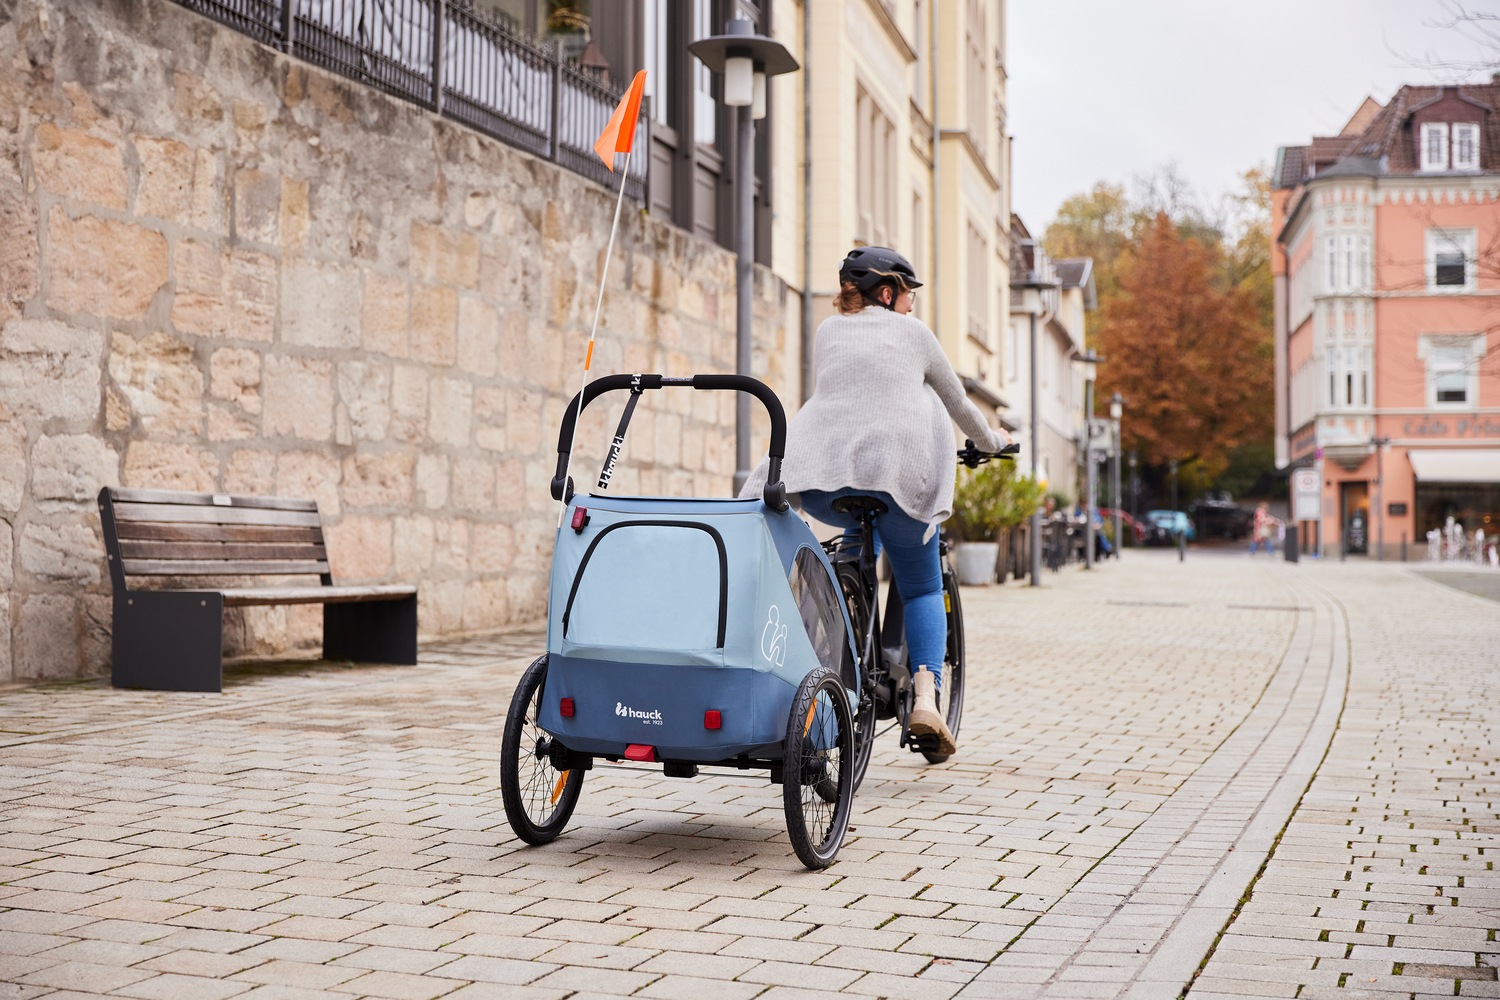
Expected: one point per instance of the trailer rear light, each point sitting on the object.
(580, 518)
(566, 708)
(712, 719)
(639, 751)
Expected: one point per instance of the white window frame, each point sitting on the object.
(1331, 264)
(1433, 149)
(1439, 241)
(1447, 356)
(1465, 145)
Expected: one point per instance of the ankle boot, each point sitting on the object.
(925, 719)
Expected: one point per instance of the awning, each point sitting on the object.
(1456, 465)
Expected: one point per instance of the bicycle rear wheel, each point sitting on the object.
(951, 688)
(864, 715)
(819, 759)
(539, 798)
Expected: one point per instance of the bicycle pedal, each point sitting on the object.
(926, 743)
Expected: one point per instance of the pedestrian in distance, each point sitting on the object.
(880, 424)
(1261, 529)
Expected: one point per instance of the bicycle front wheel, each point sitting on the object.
(539, 798)
(951, 688)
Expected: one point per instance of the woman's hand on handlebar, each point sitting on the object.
(974, 458)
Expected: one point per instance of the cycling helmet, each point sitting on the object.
(867, 268)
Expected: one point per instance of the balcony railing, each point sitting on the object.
(449, 58)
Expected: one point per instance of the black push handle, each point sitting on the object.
(774, 493)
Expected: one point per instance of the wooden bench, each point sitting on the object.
(171, 639)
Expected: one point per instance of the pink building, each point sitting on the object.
(1386, 262)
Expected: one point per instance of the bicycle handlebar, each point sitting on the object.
(774, 492)
(974, 458)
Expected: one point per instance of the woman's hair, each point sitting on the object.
(851, 300)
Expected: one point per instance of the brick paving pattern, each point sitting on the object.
(1134, 739)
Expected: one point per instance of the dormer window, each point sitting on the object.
(1440, 139)
(1435, 146)
(1466, 146)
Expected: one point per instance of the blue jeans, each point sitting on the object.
(915, 564)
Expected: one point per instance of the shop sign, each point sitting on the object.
(1307, 495)
(1465, 426)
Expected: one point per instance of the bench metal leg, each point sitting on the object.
(371, 631)
(167, 641)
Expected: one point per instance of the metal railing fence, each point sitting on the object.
(450, 58)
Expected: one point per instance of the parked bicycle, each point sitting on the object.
(886, 691)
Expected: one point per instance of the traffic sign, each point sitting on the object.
(1307, 495)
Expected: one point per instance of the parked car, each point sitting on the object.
(1218, 516)
(1163, 527)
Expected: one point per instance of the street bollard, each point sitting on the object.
(1181, 546)
(1403, 546)
(1290, 547)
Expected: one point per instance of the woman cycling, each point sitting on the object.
(878, 425)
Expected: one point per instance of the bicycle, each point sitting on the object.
(886, 691)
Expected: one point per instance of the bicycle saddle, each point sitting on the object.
(858, 506)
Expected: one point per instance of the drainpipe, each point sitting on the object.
(932, 102)
(807, 282)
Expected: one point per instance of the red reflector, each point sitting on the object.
(712, 719)
(566, 708)
(580, 518)
(639, 751)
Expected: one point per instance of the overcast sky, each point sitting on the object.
(1112, 89)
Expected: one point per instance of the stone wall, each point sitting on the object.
(223, 269)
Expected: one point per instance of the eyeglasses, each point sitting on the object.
(913, 293)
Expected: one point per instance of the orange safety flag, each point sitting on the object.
(619, 135)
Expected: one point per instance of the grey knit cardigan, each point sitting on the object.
(879, 416)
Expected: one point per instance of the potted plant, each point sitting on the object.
(986, 503)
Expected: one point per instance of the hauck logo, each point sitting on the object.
(652, 718)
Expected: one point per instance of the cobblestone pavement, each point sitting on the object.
(1135, 739)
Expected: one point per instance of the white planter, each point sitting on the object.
(976, 563)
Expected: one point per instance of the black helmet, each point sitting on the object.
(870, 267)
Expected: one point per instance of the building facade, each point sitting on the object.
(1386, 266)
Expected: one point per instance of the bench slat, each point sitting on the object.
(213, 515)
(134, 549)
(224, 567)
(280, 534)
(123, 495)
(315, 595)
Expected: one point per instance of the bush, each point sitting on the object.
(991, 499)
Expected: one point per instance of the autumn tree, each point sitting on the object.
(1189, 349)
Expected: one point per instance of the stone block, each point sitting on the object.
(252, 294)
(320, 304)
(298, 397)
(294, 213)
(386, 316)
(95, 633)
(510, 485)
(440, 606)
(365, 391)
(359, 547)
(432, 480)
(178, 183)
(493, 547)
(193, 98)
(79, 167)
(380, 480)
(7, 663)
(199, 301)
(18, 246)
(478, 336)
(250, 470)
(46, 639)
(169, 466)
(49, 371)
(256, 206)
(7, 557)
(486, 604)
(12, 465)
(408, 403)
(473, 485)
(159, 376)
(523, 421)
(312, 474)
(69, 469)
(434, 324)
(451, 411)
(234, 375)
(452, 550)
(227, 423)
(412, 546)
(101, 267)
(489, 417)
(70, 552)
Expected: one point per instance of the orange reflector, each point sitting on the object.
(566, 708)
(639, 751)
(807, 724)
(589, 358)
(712, 719)
(557, 789)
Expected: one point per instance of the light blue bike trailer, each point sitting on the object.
(678, 630)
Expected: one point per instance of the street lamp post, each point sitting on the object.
(1380, 443)
(1135, 489)
(1029, 299)
(1116, 410)
(744, 59)
(1090, 469)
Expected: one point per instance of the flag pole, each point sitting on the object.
(588, 358)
